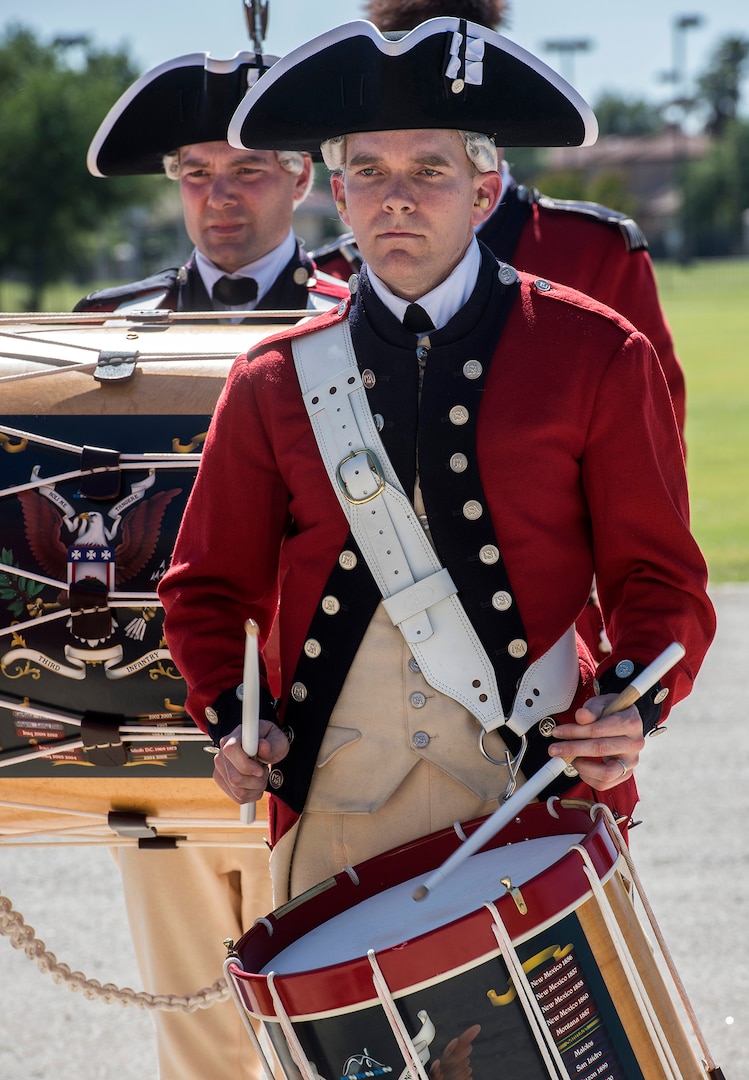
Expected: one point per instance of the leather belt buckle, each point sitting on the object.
(360, 477)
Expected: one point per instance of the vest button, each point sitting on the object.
(458, 415)
(517, 648)
(331, 605)
(489, 554)
(420, 740)
(347, 560)
(473, 369)
(298, 691)
(501, 601)
(418, 700)
(458, 463)
(472, 510)
(312, 648)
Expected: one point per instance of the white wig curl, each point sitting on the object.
(292, 161)
(480, 149)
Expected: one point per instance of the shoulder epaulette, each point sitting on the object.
(343, 245)
(163, 280)
(634, 237)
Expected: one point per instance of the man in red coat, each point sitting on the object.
(530, 425)
(590, 247)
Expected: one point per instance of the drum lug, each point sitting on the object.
(516, 895)
(115, 366)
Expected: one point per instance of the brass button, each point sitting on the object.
(624, 669)
(275, 779)
(301, 277)
(420, 740)
(211, 715)
(517, 648)
(458, 415)
(312, 648)
(508, 275)
(347, 560)
(547, 726)
(472, 510)
(543, 286)
(459, 463)
(489, 554)
(501, 601)
(379, 420)
(331, 605)
(418, 700)
(473, 369)
(661, 696)
(413, 666)
(353, 284)
(298, 691)
(368, 378)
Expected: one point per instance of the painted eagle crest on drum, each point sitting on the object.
(112, 555)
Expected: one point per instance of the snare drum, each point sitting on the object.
(103, 420)
(532, 952)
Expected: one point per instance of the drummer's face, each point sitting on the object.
(413, 199)
(237, 203)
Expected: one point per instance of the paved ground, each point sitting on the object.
(691, 853)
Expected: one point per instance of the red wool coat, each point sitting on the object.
(582, 468)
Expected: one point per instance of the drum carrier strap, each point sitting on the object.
(418, 593)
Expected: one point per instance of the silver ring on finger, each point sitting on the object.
(625, 767)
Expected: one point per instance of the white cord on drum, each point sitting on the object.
(616, 836)
(658, 1036)
(301, 1060)
(405, 1043)
(234, 960)
(555, 1066)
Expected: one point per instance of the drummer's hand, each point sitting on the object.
(601, 749)
(244, 778)
(455, 1062)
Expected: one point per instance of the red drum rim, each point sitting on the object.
(429, 957)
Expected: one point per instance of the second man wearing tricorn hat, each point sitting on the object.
(238, 208)
(530, 426)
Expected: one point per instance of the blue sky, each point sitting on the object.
(631, 44)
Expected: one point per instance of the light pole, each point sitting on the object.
(567, 47)
(681, 24)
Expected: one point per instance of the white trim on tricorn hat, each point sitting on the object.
(189, 99)
(445, 73)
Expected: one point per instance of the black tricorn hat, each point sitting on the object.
(189, 99)
(445, 73)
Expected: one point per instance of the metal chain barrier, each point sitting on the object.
(22, 936)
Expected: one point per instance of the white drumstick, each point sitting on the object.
(548, 772)
(250, 706)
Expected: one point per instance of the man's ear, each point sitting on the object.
(303, 185)
(339, 195)
(487, 193)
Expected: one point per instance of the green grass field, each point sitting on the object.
(707, 305)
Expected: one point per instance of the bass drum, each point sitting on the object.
(102, 425)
